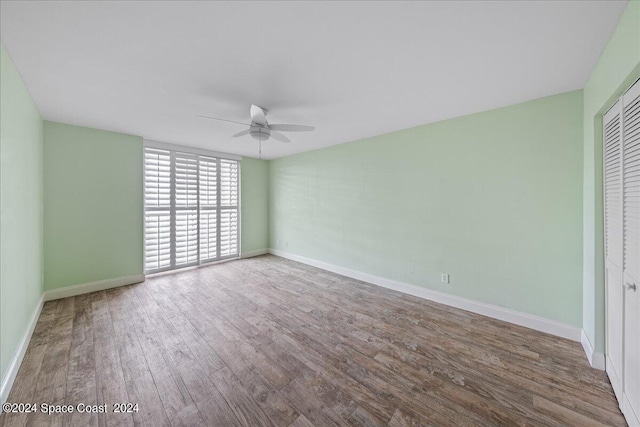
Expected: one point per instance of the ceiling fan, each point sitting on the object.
(260, 129)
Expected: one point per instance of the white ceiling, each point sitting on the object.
(352, 69)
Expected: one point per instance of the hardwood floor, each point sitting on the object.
(270, 342)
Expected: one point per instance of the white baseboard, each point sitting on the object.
(257, 252)
(523, 319)
(100, 285)
(596, 359)
(16, 361)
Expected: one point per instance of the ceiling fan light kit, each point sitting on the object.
(260, 133)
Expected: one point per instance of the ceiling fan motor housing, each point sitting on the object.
(259, 132)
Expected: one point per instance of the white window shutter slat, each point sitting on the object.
(157, 225)
(228, 182)
(157, 176)
(612, 184)
(157, 233)
(186, 237)
(229, 201)
(186, 206)
(631, 180)
(186, 180)
(208, 235)
(228, 232)
(208, 180)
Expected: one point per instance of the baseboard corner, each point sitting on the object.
(596, 359)
(84, 288)
(257, 252)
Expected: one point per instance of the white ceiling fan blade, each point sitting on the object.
(222, 120)
(258, 115)
(244, 132)
(292, 128)
(280, 137)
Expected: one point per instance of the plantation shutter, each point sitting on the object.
(191, 208)
(229, 207)
(157, 202)
(186, 209)
(613, 186)
(631, 204)
(208, 208)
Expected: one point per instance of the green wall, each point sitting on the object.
(617, 68)
(254, 187)
(93, 205)
(494, 199)
(20, 209)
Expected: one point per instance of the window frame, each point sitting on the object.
(218, 156)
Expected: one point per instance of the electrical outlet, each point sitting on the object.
(444, 278)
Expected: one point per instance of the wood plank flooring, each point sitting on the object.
(270, 342)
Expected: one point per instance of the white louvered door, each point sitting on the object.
(613, 244)
(621, 143)
(191, 208)
(631, 249)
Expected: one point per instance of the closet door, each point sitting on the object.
(612, 145)
(631, 259)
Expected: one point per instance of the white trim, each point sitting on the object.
(100, 285)
(523, 319)
(257, 252)
(16, 361)
(596, 359)
(614, 379)
(629, 414)
(192, 150)
(190, 267)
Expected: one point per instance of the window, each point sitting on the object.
(191, 207)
